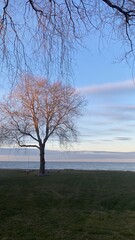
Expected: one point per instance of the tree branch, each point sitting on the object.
(34, 7)
(22, 131)
(127, 14)
(28, 145)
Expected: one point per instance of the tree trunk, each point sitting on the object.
(42, 161)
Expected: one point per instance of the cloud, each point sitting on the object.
(123, 138)
(108, 87)
(121, 113)
(108, 115)
(120, 130)
(128, 108)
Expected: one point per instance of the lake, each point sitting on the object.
(29, 165)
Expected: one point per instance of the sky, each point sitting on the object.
(109, 121)
(108, 85)
(106, 129)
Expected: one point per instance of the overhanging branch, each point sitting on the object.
(127, 13)
(28, 145)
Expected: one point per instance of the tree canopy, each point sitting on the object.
(41, 35)
(36, 110)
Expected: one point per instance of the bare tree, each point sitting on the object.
(42, 32)
(37, 109)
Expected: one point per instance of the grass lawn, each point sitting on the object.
(67, 205)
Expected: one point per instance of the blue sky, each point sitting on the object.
(108, 84)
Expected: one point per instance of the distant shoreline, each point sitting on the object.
(23, 154)
(64, 171)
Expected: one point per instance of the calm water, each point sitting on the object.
(69, 165)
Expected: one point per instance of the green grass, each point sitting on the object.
(67, 205)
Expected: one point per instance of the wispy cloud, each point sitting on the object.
(108, 87)
(123, 138)
(117, 115)
(110, 116)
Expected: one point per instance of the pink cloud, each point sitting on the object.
(108, 87)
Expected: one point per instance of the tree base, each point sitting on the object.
(43, 175)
